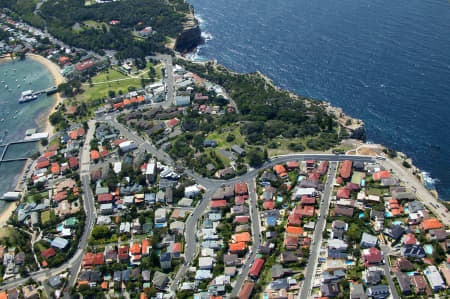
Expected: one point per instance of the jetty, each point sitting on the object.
(47, 91)
(6, 148)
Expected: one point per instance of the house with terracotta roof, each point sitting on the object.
(105, 198)
(135, 253)
(43, 164)
(123, 254)
(377, 176)
(431, 223)
(48, 253)
(240, 188)
(217, 204)
(294, 231)
(291, 165)
(241, 237)
(280, 171)
(246, 290)
(54, 168)
(95, 155)
(346, 169)
(291, 243)
(73, 163)
(343, 193)
(268, 205)
(237, 247)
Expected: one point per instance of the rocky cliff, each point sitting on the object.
(355, 127)
(191, 36)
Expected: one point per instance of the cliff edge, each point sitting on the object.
(191, 35)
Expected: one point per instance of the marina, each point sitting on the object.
(30, 95)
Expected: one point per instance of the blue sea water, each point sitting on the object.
(386, 62)
(16, 118)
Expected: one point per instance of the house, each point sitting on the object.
(59, 243)
(191, 191)
(205, 263)
(337, 244)
(438, 234)
(238, 150)
(403, 264)
(415, 251)
(182, 100)
(256, 268)
(160, 215)
(151, 171)
(420, 284)
(246, 290)
(329, 289)
(160, 280)
(395, 232)
(106, 208)
(368, 241)
(404, 282)
(378, 291)
(346, 169)
(291, 165)
(288, 257)
(231, 260)
(165, 260)
(210, 143)
(357, 291)
(371, 256)
(29, 292)
(343, 211)
(434, 278)
(277, 271)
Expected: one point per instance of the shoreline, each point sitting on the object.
(58, 79)
(55, 70)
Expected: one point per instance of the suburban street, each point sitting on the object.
(256, 236)
(385, 250)
(317, 237)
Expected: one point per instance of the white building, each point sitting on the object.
(191, 191)
(127, 146)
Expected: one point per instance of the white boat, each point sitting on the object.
(27, 96)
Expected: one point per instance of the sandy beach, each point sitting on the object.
(56, 73)
(4, 216)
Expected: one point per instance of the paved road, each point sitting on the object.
(256, 236)
(421, 192)
(74, 263)
(317, 237)
(190, 249)
(385, 249)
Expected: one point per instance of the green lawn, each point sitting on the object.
(45, 217)
(221, 137)
(376, 191)
(356, 177)
(102, 83)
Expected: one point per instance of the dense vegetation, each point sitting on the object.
(268, 112)
(64, 20)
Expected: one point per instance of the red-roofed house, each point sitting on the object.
(95, 155)
(256, 268)
(123, 254)
(294, 219)
(49, 154)
(216, 204)
(291, 243)
(55, 168)
(63, 60)
(73, 162)
(380, 175)
(82, 66)
(241, 219)
(291, 165)
(409, 239)
(241, 237)
(431, 223)
(240, 188)
(343, 193)
(173, 122)
(268, 205)
(105, 198)
(44, 164)
(306, 200)
(372, 256)
(294, 230)
(323, 167)
(48, 253)
(146, 247)
(176, 249)
(346, 169)
(237, 247)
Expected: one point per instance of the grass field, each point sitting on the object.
(376, 191)
(221, 138)
(45, 217)
(101, 83)
(356, 177)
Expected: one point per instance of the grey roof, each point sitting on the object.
(395, 231)
(378, 292)
(59, 243)
(368, 240)
(404, 282)
(54, 281)
(160, 280)
(357, 292)
(146, 275)
(415, 206)
(415, 251)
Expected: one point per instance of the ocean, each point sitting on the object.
(16, 118)
(385, 62)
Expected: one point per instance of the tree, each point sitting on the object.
(100, 232)
(255, 157)
(354, 233)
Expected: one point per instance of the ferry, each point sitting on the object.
(27, 96)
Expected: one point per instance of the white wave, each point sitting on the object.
(207, 36)
(430, 182)
(200, 19)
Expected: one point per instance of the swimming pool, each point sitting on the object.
(397, 222)
(428, 248)
(388, 214)
(406, 210)
(59, 228)
(361, 215)
(280, 199)
(349, 262)
(299, 178)
(363, 182)
(159, 225)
